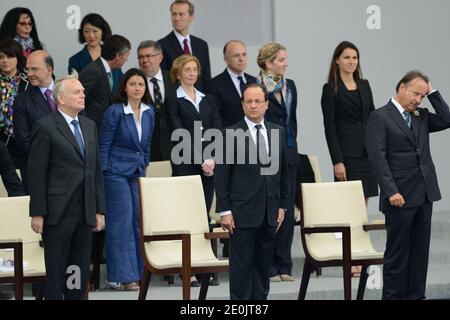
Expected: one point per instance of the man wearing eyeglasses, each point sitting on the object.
(251, 201)
(33, 104)
(162, 92)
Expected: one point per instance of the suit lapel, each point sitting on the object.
(40, 101)
(350, 97)
(364, 96)
(105, 80)
(63, 127)
(131, 126)
(415, 125)
(189, 106)
(145, 123)
(398, 119)
(176, 47)
(231, 87)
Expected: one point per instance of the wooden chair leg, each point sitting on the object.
(362, 283)
(318, 272)
(144, 284)
(40, 291)
(307, 267)
(204, 286)
(18, 289)
(186, 286)
(347, 272)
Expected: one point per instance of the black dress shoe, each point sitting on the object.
(213, 282)
(195, 283)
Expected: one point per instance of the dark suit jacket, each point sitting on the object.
(82, 58)
(242, 189)
(121, 151)
(29, 106)
(400, 157)
(58, 174)
(345, 119)
(183, 115)
(161, 146)
(276, 113)
(229, 102)
(11, 181)
(172, 50)
(98, 94)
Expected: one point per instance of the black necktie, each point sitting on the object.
(407, 117)
(156, 93)
(261, 146)
(77, 134)
(241, 84)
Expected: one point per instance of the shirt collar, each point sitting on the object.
(182, 94)
(68, 118)
(252, 124)
(397, 105)
(105, 65)
(235, 75)
(158, 76)
(43, 89)
(127, 108)
(181, 38)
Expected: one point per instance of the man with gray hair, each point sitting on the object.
(399, 150)
(66, 190)
(162, 92)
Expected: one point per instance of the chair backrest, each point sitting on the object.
(174, 205)
(315, 166)
(335, 203)
(157, 169)
(15, 224)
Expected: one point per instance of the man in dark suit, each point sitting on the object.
(179, 42)
(97, 77)
(250, 200)
(227, 87)
(399, 150)
(162, 92)
(11, 181)
(33, 104)
(66, 190)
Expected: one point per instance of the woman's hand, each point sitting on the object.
(339, 171)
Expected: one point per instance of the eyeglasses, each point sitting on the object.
(23, 24)
(257, 101)
(148, 56)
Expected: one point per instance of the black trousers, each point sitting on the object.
(407, 249)
(250, 255)
(67, 248)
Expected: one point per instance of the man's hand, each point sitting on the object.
(397, 200)
(227, 222)
(340, 172)
(208, 167)
(37, 224)
(280, 217)
(99, 223)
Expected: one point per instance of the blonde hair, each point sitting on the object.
(59, 84)
(268, 53)
(179, 63)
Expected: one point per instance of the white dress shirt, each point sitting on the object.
(159, 78)
(181, 38)
(128, 110)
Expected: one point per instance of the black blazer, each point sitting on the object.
(242, 189)
(229, 102)
(400, 157)
(345, 119)
(11, 181)
(172, 50)
(276, 113)
(161, 145)
(58, 174)
(183, 115)
(29, 106)
(94, 79)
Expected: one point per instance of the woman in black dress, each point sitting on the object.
(346, 104)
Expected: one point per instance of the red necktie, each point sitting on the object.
(186, 49)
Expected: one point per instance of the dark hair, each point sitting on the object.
(225, 47)
(255, 85)
(411, 75)
(97, 21)
(122, 95)
(12, 49)
(9, 24)
(190, 4)
(150, 44)
(334, 74)
(48, 60)
(113, 45)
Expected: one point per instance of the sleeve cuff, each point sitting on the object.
(224, 213)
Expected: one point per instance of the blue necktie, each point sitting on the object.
(78, 136)
(241, 84)
(261, 146)
(407, 117)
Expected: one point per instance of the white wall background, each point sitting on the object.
(413, 34)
